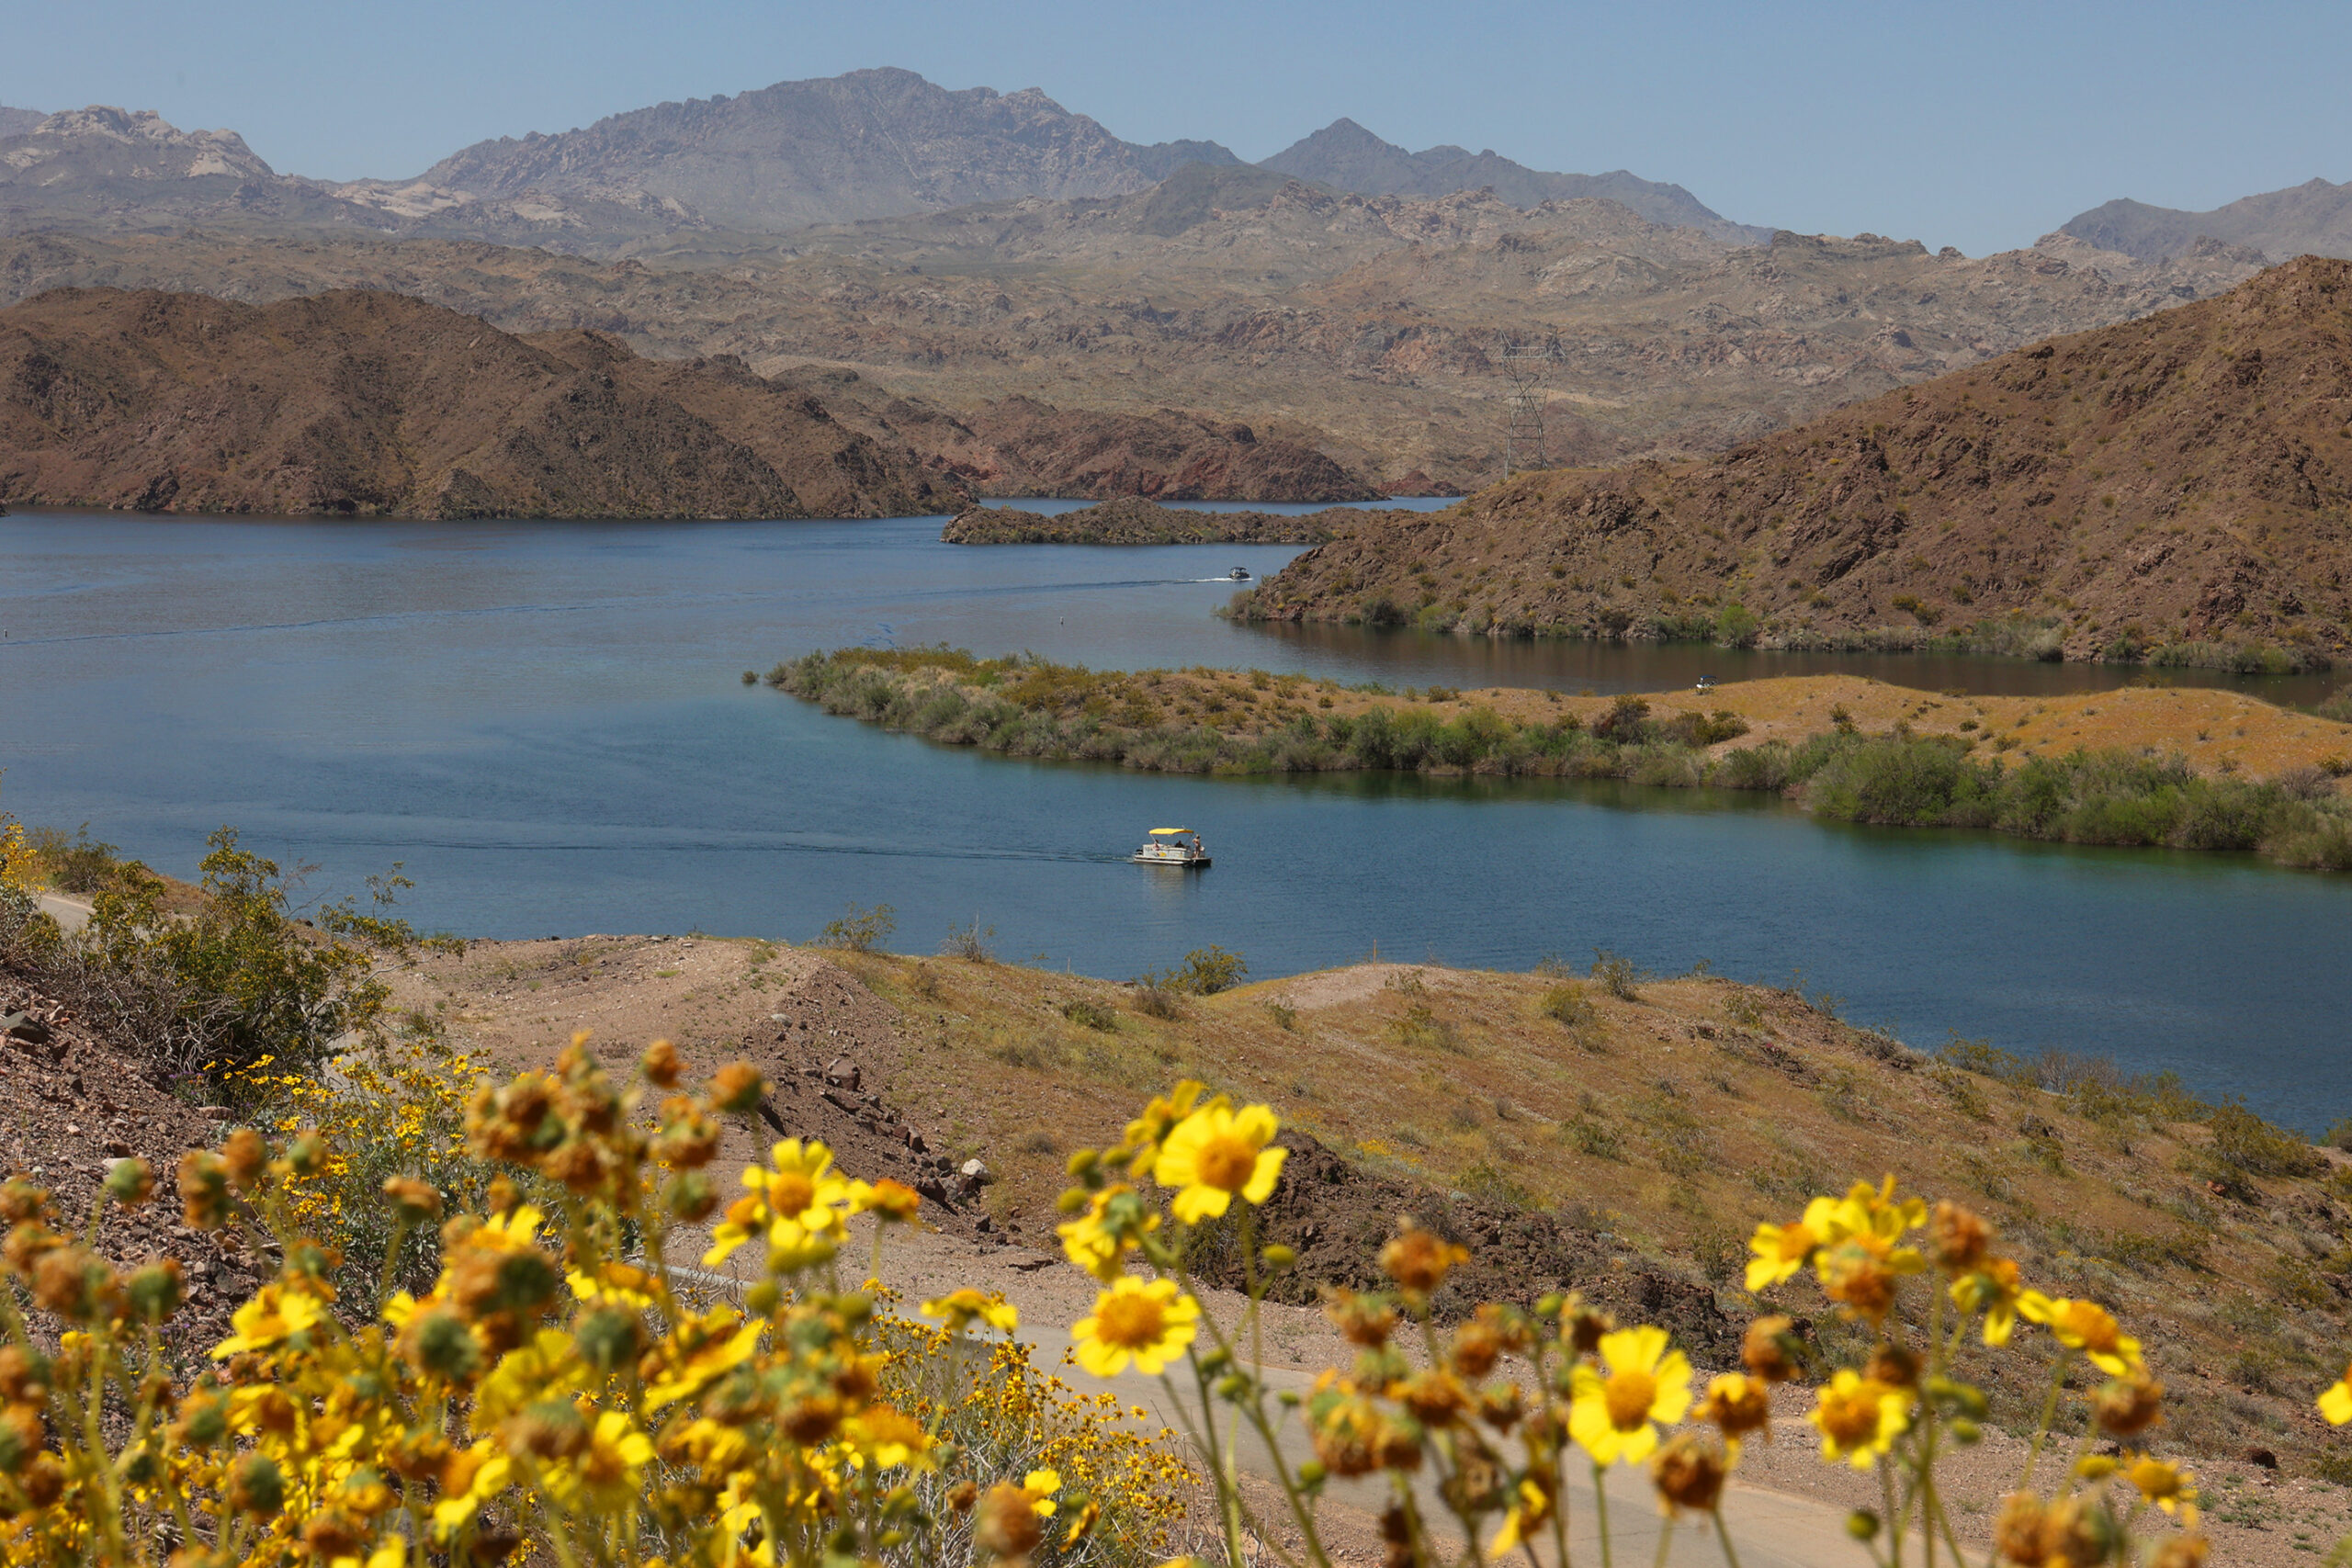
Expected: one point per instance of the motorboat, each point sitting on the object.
(1706, 683)
(1167, 846)
(1238, 574)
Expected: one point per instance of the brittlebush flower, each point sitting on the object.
(1146, 1323)
(276, 1313)
(1858, 1418)
(1766, 1349)
(2165, 1484)
(2085, 1326)
(1531, 1508)
(1689, 1474)
(2336, 1402)
(1611, 1416)
(958, 1309)
(1992, 1290)
(1419, 1260)
(1112, 1226)
(1738, 1404)
(1140, 1147)
(2128, 1405)
(1216, 1153)
(1779, 1251)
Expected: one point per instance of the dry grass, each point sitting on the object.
(1674, 1124)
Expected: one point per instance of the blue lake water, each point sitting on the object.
(546, 723)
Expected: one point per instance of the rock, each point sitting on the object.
(214, 1112)
(985, 1225)
(915, 1142)
(845, 1073)
(119, 1148)
(931, 1188)
(975, 1170)
(841, 1102)
(23, 1026)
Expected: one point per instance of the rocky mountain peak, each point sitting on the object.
(140, 144)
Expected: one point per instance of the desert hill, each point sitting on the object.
(15, 122)
(2181, 479)
(1346, 156)
(2310, 218)
(368, 404)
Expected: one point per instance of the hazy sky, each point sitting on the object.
(1979, 125)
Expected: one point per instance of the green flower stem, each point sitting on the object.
(2048, 1414)
(1600, 1507)
(1723, 1534)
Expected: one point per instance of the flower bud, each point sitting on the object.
(306, 1155)
(1280, 1257)
(1862, 1525)
(204, 1190)
(763, 1297)
(661, 1064)
(245, 1156)
(608, 1338)
(257, 1486)
(692, 1196)
(736, 1087)
(130, 1182)
(155, 1291)
(417, 1202)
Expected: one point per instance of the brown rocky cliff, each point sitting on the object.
(361, 403)
(2184, 477)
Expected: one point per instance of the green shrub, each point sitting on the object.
(1568, 1004)
(1092, 1015)
(858, 930)
(2245, 1145)
(79, 864)
(1617, 976)
(1208, 970)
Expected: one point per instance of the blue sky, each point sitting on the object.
(1976, 125)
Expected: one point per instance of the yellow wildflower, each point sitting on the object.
(2336, 1402)
(1859, 1417)
(888, 1437)
(2085, 1326)
(1611, 1416)
(1146, 1323)
(2165, 1484)
(1779, 1251)
(1992, 1290)
(697, 1352)
(960, 1307)
(1216, 1153)
(1099, 1240)
(276, 1313)
(1141, 1144)
(1530, 1509)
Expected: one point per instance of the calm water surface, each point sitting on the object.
(547, 724)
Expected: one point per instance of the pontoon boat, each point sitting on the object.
(1167, 847)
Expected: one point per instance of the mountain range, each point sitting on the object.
(1038, 306)
(866, 145)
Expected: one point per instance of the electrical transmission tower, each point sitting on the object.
(1525, 365)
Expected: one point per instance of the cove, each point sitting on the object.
(546, 722)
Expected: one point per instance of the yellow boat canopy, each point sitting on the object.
(1163, 832)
